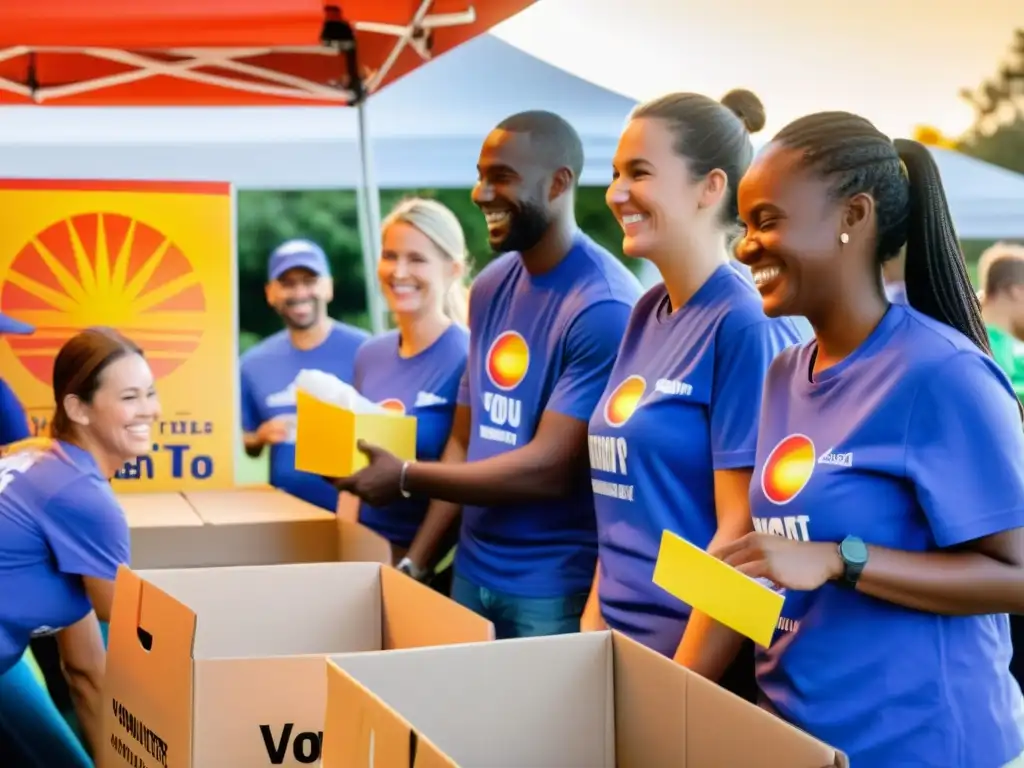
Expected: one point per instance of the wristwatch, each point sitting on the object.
(854, 554)
(409, 568)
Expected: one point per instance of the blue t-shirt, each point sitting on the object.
(13, 420)
(268, 373)
(538, 342)
(425, 386)
(913, 442)
(59, 521)
(683, 401)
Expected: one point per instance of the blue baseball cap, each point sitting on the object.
(14, 327)
(301, 254)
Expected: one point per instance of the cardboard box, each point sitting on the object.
(158, 510)
(252, 505)
(273, 543)
(252, 526)
(224, 667)
(593, 700)
(327, 436)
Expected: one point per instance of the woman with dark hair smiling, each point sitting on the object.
(62, 537)
(888, 493)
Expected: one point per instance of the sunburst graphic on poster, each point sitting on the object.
(104, 269)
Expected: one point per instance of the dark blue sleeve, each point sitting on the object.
(250, 409)
(592, 344)
(86, 530)
(965, 450)
(13, 420)
(741, 364)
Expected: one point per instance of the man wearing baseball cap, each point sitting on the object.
(299, 288)
(13, 421)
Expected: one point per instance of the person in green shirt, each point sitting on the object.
(1001, 271)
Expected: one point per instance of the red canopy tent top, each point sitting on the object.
(225, 52)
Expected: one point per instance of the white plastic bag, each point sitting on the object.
(329, 389)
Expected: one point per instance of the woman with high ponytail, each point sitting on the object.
(888, 493)
(695, 351)
(416, 368)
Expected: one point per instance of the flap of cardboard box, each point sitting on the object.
(252, 505)
(157, 510)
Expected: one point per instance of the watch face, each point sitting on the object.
(855, 551)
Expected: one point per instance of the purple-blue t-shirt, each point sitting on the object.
(425, 386)
(268, 373)
(13, 421)
(59, 521)
(682, 402)
(537, 343)
(913, 442)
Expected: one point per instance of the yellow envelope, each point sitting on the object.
(326, 437)
(719, 590)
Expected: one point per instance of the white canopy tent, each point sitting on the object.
(425, 131)
(987, 201)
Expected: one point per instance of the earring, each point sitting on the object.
(844, 238)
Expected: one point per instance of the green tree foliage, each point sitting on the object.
(267, 218)
(997, 135)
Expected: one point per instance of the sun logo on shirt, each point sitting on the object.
(623, 400)
(393, 404)
(508, 360)
(103, 269)
(788, 469)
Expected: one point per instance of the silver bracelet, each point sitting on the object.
(401, 480)
(409, 568)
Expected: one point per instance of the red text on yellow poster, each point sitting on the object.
(153, 260)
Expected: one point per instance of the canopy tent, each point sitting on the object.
(987, 201)
(233, 52)
(414, 143)
(425, 131)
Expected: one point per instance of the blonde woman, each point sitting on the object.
(416, 368)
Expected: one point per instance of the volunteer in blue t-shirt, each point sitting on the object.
(299, 288)
(546, 318)
(888, 494)
(673, 437)
(416, 368)
(14, 424)
(63, 536)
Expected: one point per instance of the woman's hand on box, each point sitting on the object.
(379, 483)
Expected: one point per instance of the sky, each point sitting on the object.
(899, 63)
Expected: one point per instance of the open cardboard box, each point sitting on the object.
(593, 700)
(224, 667)
(252, 526)
(327, 436)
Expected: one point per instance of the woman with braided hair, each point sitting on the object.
(888, 493)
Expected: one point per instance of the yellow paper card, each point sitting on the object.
(326, 437)
(719, 590)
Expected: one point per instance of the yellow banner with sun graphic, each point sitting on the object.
(154, 260)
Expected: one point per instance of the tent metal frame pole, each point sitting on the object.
(368, 207)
